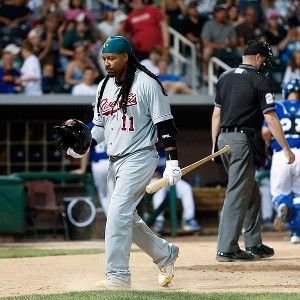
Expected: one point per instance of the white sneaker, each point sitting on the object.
(166, 273)
(280, 217)
(295, 239)
(112, 284)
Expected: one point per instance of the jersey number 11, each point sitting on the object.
(131, 123)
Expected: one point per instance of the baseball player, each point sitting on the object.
(132, 112)
(99, 165)
(285, 178)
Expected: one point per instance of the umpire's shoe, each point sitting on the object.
(238, 255)
(262, 251)
(166, 273)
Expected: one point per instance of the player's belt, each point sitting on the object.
(247, 130)
(115, 158)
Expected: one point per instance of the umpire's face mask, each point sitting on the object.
(266, 65)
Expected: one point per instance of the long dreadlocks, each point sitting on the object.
(132, 65)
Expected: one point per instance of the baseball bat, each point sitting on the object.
(164, 181)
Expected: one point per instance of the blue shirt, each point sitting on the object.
(98, 152)
(288, 112)
(8, 87)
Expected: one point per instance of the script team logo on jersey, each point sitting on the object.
(269, 98)
(109, 107)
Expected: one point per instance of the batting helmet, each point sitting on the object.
(290, 87)
(72, 134)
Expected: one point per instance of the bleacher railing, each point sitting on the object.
(180, 61)
(214, 65)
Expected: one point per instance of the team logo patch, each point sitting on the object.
(269, 98)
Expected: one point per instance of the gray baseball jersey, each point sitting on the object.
(135, 130)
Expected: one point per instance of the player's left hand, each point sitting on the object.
(172, 171)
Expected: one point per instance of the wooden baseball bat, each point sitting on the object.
(164, 181)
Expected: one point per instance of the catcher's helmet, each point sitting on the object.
(290, 87)
(72, 134)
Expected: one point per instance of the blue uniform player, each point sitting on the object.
(99, 165)
(285, 178)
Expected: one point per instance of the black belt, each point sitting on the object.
(246, 130)
(115, 158)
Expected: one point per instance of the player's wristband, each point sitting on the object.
(172, 154)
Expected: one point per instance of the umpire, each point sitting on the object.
(244, 97)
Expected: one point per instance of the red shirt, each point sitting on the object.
(144, 27)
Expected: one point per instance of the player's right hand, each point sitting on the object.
(72, 153)
(172, 172)
(289, 154)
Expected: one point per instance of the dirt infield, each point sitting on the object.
(196, 269)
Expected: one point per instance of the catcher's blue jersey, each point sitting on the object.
(288, 112)
(99, 151)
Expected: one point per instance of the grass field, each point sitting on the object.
(138, 295)
(35, 252)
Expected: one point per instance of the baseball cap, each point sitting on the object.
(12, 48)
(108, 7)
(219, 7)
(258, 47)
(117, 44)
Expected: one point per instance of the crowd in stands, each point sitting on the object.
(53, 46)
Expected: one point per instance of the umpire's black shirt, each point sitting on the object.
(243, 94)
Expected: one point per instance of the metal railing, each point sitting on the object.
(212, 77)
(180, 61)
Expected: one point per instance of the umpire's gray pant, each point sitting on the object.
(242, 202)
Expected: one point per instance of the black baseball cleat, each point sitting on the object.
(262, 251)
(238, 255)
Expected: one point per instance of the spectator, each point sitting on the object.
(87, 86)
(49, 80)
(111, 21)
(76, 8)
(192, 24)
(34, 38)
(256, 4)
(219, 39)
(74, 70)
(8, 75)
(249, 29)
(172, 83)
(174, 10)
(13, 20)
(234, 15)
(146, 21)
(151, 63)
(183, 191)
(274, 33)
(31, 71)
(289, 45)
(50, 7)
(50, 40)
(82, 33)
(14, 50)
(293, 69)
